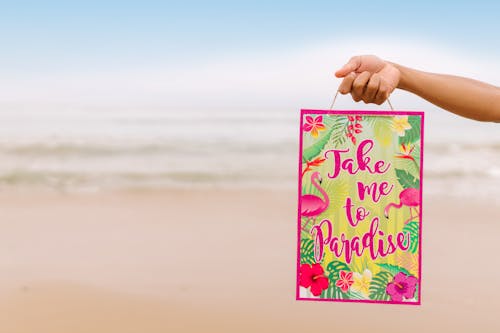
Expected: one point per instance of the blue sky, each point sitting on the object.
(228, 54)
(67, 35)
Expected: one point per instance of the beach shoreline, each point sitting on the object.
(216, 260)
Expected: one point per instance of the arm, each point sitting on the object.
(371, 79)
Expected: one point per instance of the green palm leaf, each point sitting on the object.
(309, 153)
(336, 134)
(334, 269)
(339, 128)
(393, 269)
(334, 292)
(307, 251)
(356, 295)
(379, 285)
(382, 129)
(413, 229)
(407, 180)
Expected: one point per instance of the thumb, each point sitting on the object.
(351, 66)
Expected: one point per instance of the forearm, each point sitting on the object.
(465, 97)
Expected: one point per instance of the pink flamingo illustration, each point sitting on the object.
(312, 205)
(409, 197)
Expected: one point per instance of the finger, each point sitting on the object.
(371, 89)
(351, 66)
(346, 85)
(382, 93)
(359, 85)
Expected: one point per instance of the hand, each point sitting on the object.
(368, 78)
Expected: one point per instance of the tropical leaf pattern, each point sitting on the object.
(379, 285)
(314, 150)
(396, 140)
(334, 292)
(407, 180)
(334, 269)
(307, 251)
(382, 129)
(393, 269)
(414, 230)
(413, 134)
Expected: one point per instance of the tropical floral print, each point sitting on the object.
(355, 127)
(406, 152)
(345, 281)
(403, 286)
(396, 140)
(313, 276)
(314, 125)
(401, 124)
(362, 282)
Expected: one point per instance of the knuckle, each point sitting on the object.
(357, 83)
(358, 91)
(366, 74)
(371, 90)
(370, 99)
(372, 85)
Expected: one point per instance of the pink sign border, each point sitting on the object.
(299, 192)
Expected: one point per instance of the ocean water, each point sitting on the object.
(81, 150)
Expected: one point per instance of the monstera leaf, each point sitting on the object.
(334, 269)
(407, 180)
(307, 251)
(379, 285)
(412, 228)
(334, 292)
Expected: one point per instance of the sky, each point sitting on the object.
(227, 54)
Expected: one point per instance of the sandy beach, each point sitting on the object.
(217, 261)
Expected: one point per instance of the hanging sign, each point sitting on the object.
(360, 206)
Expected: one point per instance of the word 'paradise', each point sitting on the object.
(375, 241)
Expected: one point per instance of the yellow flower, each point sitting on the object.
(362, 282)
(400, 124)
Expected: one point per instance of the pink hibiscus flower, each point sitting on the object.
(402, 286)
(314, 125)
(345, 280)
(313, 276)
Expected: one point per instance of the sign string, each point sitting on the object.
(337, 93)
